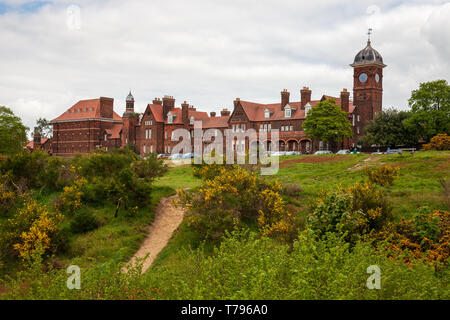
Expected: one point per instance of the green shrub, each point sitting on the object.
(383, 175)
(83, 221)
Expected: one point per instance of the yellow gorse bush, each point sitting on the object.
(438, 142)
(232, 194)
(32, 228)
(383, 175)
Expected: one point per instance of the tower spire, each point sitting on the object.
(369, 33)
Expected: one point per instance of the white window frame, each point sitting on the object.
(266, 114)
(287, 112)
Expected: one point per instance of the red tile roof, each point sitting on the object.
(216, 122)
(84, 109)
(255, 111)
(30, 143)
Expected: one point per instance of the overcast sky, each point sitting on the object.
(54, 53)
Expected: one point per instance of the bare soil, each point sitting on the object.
(167, 219)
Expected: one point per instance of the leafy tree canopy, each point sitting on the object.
(387, 129)
(430, 106)
(44, 127)
(327, 122)
(13, 134)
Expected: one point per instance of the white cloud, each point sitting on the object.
(209, 52)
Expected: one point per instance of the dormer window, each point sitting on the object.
(267, 114)
(169, 118)
(287, 112)
(307, 108)
(191, 121)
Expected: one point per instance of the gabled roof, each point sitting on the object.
(84, 109)
(30, 144)
(157, 111)
(255, 111)
(216, 122)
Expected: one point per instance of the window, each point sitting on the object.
(169, 118)
(151, 149)
(353, 119)
(267, 114)
(165, 134)
(359, 118)
(243, 127)
(357, 130)
(287, 112)
(191, 121)
(282, 128)
(269, 127)
(106, 137)
(144, 148)
(291, 128)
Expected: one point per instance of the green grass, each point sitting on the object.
(417, 185)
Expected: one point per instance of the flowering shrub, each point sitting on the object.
(7, 195)
(355, 210)
(383, 175)
(234, 195)
(70, 200)
(31, 228)
(438, 142)
(426, 237)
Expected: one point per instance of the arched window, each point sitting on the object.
(287, 112)
(267, 114)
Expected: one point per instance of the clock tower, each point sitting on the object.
(367, 86)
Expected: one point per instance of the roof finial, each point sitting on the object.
(369, 33)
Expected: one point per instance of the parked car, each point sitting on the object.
(323, 152)
(277, 153)
(393, 151)
(162, 156)
(289, 153)
(175, 156)
(297, 153)
(343, 151)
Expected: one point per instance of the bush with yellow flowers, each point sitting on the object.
(70, 200)
(355, 210)
(382, 175)
(426, 236)
(32, 227)
(7, 196)
(232, 196)
(438, 142)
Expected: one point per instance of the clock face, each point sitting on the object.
(377, 78)
(363, 77)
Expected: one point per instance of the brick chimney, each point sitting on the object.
(106, 107)
(212, 114)
(168, 103)
(157, 101)
(305, 94)
(185, 113)
(225, 112)
(284, 98)
(345, 100)
(236, 102)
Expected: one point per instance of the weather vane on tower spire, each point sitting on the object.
(369, 33)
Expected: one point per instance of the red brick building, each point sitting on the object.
(92, 124)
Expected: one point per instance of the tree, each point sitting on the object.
(13, 134)
(430, 107)
(44, 127)
(388, 130)
(327, 122)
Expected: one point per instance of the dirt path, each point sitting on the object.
(167, 219)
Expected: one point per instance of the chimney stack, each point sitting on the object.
(168, 103)
(225, 112)
(284, 98)
(157, 101)
(305, 94)
(212, 114)
(185, 113)
(345, 100)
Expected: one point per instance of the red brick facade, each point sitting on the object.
(92, 124)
